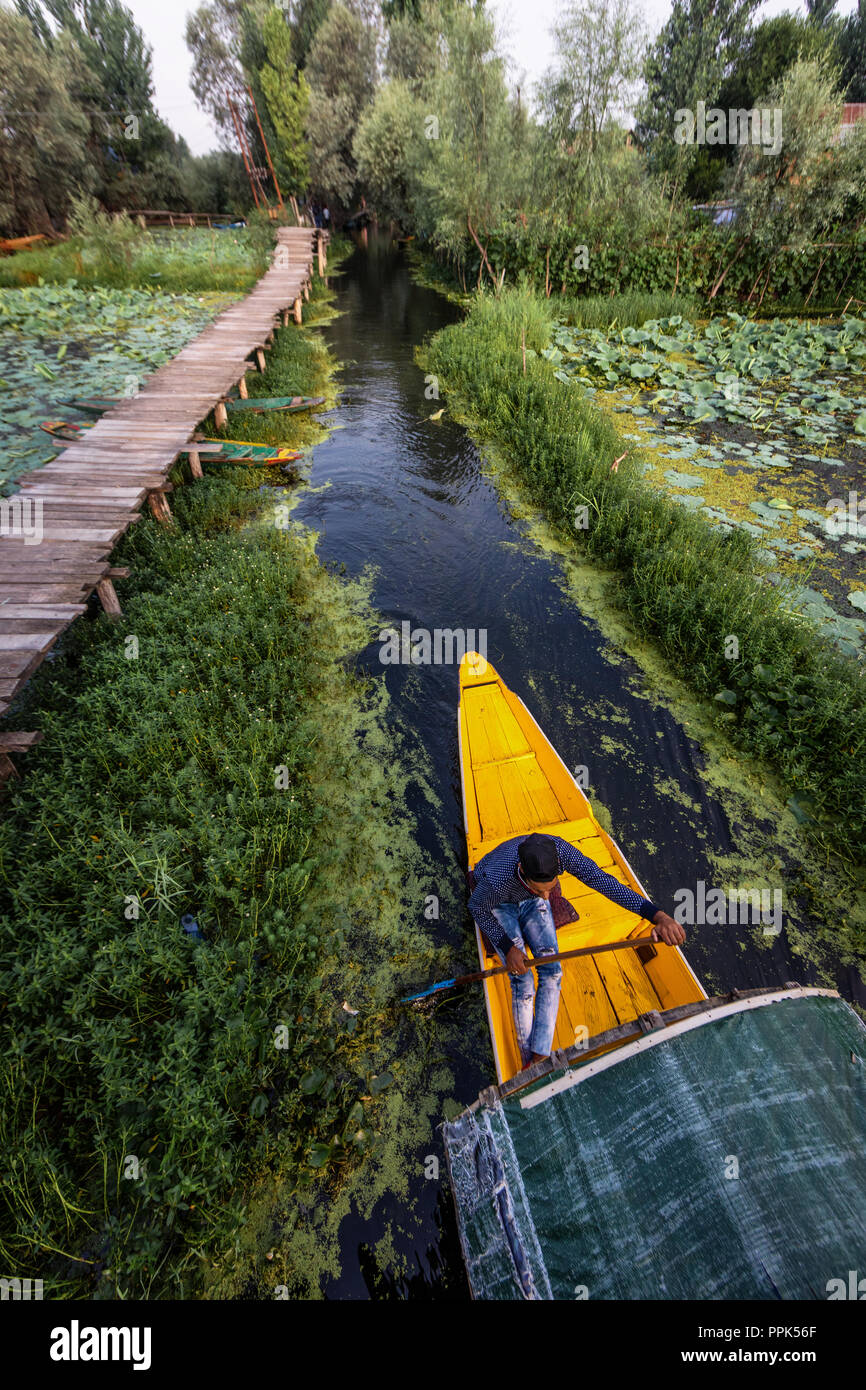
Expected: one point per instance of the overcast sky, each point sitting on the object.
(525, 25)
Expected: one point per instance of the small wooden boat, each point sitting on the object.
(514, 782)
(260, 405)
(95, 405)
(611, 1169)
(65, 432)
(244, 451)
(98, 405)
(9, 245)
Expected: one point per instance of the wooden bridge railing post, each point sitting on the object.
(107, 595)
(159, 507)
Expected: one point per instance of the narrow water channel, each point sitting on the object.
(395, 490)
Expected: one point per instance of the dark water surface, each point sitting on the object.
(407, 496)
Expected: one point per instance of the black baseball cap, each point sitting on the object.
(538, 858)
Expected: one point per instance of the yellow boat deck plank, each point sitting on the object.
(494, 733)
(626, 982)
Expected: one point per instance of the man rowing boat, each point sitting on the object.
(511, 905)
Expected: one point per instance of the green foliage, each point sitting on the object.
(852, 52)
(682, 582)
(770, 50)
(730, 369)
(687, 63)
(213, 37)
(812, 181)
(341, 71)
(622, 310)
(385, 149)
(599, 52)
(165, 1076)
(58, 341)
(287, 94)
(132, 152)
(112, 237)
(307, 17)
(693, 262)
(43, 133)
(195, 259)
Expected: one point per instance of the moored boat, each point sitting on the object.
(245, 451)
(673, 1146)
(65, 432)
(95, 405)
(265, 404)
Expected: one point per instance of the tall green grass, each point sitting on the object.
(191, 260)
(630, 309)
(790, 697)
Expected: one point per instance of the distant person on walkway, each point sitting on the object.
(326, 218)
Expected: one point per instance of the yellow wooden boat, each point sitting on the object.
(514, 782)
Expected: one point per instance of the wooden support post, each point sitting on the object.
(320, 246)
(118, 572)
(107, 595)
(306, 289)
(14, 742)
(195, 463)
(160, 508)
(261, 359)
(242, 389)
(285, 318)
(296, 309)
(220, 415)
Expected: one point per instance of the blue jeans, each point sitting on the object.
(530, 924)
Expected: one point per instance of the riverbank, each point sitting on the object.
(792, 702)
(190, 1099)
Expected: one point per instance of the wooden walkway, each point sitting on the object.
(94, 490)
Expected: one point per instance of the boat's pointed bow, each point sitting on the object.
(474, 668)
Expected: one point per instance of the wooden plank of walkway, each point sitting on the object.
(86, 499)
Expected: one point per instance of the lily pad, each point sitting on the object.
(682, 479)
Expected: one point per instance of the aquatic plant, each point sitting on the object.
(788, 696)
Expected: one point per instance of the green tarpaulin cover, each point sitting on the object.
(728, 1161)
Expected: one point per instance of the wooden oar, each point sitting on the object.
(533, 964)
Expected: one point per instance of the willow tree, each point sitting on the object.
(599, 52)
(341, 71)
(43, 133)
(214, 37)
(468, 178)
(815, 181)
